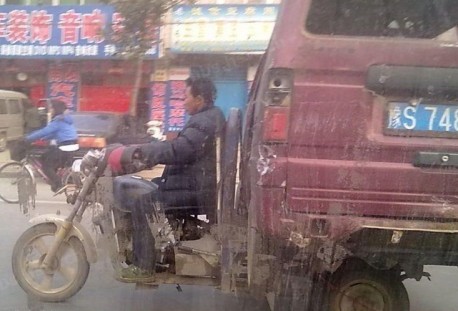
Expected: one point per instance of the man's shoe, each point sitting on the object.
(134, 274)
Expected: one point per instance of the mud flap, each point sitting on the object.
(226, 212)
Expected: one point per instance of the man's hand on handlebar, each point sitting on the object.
(125, 159)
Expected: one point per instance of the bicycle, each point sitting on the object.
(20, 175)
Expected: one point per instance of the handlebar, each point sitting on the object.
(132, 160)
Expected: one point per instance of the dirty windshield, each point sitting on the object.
(253, 155)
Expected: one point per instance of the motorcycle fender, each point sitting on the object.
(77, 231)
(32, 175)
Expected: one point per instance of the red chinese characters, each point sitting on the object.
(178, 89)
(158, 92)
(158, 115)
(157, 103)
(63, 84)
(62, 89)
(69, 24)
(92, 28)
(178, 103)
(159, 89)
(56, 75)
(177, 113)
(17, 29)
(40, 26)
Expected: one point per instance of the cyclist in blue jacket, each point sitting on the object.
(62, 130)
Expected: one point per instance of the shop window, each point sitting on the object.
(14, 106)
(3, 109)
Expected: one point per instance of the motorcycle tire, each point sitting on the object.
(75, 276)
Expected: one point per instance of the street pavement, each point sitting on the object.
(102, 292)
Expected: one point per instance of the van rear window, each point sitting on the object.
(426, 19)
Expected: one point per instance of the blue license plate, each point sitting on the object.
(422, 118)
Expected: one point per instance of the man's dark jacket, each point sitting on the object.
(189, 178)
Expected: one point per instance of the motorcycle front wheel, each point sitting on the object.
(69, 270)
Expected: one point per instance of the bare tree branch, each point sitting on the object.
(137, 32)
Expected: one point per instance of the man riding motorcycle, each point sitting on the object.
(188, 181)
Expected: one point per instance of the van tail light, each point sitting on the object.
(92, 142)
(276, 120)
(277, 101)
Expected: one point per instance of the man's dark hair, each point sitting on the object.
(58, 106)
(203, 87)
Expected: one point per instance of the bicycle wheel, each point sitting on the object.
(9, 176)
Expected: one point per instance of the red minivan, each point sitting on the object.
(350, 167)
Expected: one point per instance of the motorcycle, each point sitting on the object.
(51, 260)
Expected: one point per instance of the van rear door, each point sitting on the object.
(373, 121)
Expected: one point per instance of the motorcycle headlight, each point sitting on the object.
(91, 158)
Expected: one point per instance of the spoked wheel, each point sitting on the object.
(9, 176)
(362, 288)
(67, 274)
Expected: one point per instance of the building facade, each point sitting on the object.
(56, 49)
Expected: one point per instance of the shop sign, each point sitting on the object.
(59, 32)
(176, 116)
(158, 92)
(167, 104)
(222, 28)
(63, 84)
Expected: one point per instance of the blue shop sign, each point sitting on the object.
(59, 32)
(222, 28)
